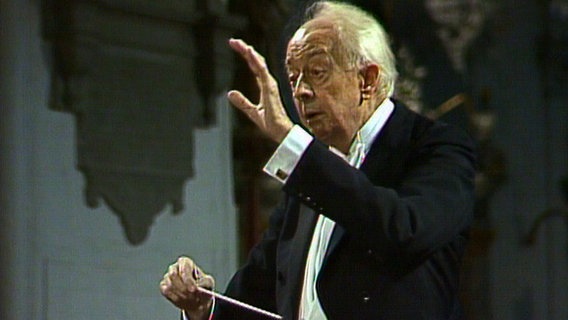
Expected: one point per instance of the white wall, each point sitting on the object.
(527, 282)
(64, 260)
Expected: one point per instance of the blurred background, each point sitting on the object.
(119, 151)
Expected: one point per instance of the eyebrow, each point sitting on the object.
(310, 53)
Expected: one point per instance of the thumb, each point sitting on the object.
(206, 281)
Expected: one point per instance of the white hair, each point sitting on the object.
(361, 36)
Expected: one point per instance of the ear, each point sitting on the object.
(370, 75)
(368, 82)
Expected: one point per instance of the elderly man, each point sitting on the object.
(377, 203)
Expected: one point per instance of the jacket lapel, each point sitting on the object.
(306, 222)
(336, 236)
(293, 256)
(379, 159)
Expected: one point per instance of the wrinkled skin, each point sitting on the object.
(327, 90)
(180, 283)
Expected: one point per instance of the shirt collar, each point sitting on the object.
(370, 130)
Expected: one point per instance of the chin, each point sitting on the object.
(322, 135)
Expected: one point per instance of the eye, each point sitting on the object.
(316, 72)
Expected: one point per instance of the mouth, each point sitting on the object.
(311, 116)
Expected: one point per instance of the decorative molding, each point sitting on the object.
(459, 23)
(139, 76)
(409, 85)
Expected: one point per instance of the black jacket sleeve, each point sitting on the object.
(420, 199)
(255, 282)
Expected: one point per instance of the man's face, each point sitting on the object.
(326, 89)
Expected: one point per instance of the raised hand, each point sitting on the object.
(269, 114)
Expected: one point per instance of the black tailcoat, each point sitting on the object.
(402, 223)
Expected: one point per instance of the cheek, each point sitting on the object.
(345, 91)
(339, 105)
(298, 107)
(299, 111)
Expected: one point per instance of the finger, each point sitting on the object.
(206, 281)
(240, 101)
(238, 45)
(179, 285)
(255, 61)
(243, 103)
(185, 268)
(167, 290)
(243, 49)
(176, 282)
(165, 286)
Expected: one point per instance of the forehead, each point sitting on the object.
(311, 39)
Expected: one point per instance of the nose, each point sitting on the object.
(302, 89)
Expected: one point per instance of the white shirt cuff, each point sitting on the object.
(288, 154)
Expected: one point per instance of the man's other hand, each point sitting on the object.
(180, 284)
